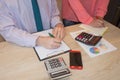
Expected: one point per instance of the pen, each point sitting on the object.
(51, 35)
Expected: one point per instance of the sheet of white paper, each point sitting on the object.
(97, 31)
(45, 53)
(101, 48)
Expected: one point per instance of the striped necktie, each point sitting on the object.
(37, 15)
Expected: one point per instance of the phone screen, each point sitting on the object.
(75, 60)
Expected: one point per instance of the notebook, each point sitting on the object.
(44, 53)
(97, 31)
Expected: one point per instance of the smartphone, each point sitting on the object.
(75, 60)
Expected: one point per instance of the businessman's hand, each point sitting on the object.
(97, 22)
(59, 31)
(48, 42)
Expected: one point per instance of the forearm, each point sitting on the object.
(55, 15)
(101, 8)
(17, 36)
(80, 11)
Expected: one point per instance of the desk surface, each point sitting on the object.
(21, 63)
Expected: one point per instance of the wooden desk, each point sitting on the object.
(21, 63)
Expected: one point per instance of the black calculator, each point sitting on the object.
(88, 38)
(57, 68)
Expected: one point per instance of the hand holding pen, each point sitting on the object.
(48, 42)
(52, 41)
(59, 31)
(51, 35)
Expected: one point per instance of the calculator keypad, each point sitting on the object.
(57, 68)
(55, 63)
(88, 38)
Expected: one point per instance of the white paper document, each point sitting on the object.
(97, 31)
(101, 48)
(44, 53)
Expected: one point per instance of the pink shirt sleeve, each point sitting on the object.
(80, 11)
(101, 7)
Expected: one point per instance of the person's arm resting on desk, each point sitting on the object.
(52, 42)
(83, 16)
(56, 23)
(58, 31)
(18, 28)
(100, 12)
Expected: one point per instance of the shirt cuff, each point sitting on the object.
(55, 21)
(100, 13)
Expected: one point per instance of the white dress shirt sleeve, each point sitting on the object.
(15, 35)
(11, 32)
(55, 14)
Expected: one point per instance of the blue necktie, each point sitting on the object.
(37, 15)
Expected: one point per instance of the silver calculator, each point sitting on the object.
(57, 68)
